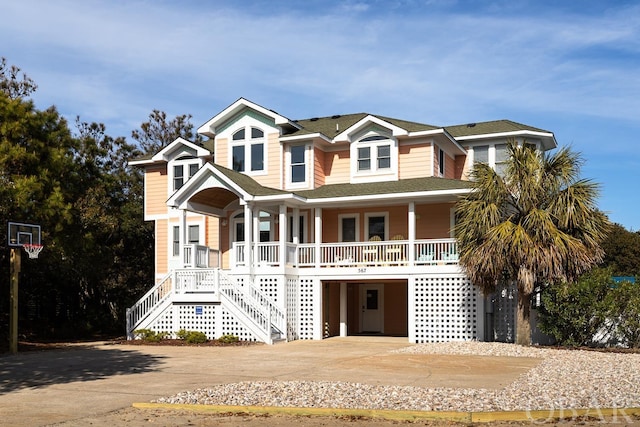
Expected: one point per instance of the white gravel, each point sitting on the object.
(563, 380)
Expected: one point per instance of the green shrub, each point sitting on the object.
(625, 313)
(228, 339)
(192, 337)
(148, 335)
(574, 313)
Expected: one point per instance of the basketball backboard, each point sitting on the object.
(20, 234)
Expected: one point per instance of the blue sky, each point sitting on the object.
(570, 67)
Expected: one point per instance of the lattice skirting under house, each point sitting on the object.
(444, 308)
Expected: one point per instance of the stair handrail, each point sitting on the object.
(149, 301)
(254, 303)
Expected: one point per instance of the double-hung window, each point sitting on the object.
(378, 145)
(247, 150)
(298, 164)
(182, 171)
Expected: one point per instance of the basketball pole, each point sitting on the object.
(13, 318)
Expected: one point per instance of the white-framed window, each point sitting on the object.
(183, 169)
(175, 242)
(378, 146)
(374, 157)
(193, 234)
(348, 227)
(298, 161)
(501, 157)
(376, 224)
(495, 155)
(248, 150)
(442, 158)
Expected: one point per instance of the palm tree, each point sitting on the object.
(537, 224)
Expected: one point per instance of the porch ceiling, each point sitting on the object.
(217, 198)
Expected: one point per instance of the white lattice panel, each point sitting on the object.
(270, 286)
(164, 322)
(230, 325)
(198, 317)
(306, 307)
(445, 308)
(292, 309)
(504, 312)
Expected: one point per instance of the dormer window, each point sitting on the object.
(183, 169)
(381, 147)
(248, 151)
(374, 157)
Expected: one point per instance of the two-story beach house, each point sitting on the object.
(280, 229)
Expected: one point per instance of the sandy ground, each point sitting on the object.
(133, 417)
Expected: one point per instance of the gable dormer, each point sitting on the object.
(373, 149)
(183, 159)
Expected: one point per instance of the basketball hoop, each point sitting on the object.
(32, 250)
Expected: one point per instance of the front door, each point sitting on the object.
(372, 309)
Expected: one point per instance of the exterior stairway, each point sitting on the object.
(248, 304)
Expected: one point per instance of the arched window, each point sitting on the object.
(247, 151)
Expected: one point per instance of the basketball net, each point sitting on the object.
(32, 250)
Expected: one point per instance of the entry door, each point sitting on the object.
(372, 308)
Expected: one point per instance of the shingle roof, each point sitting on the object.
(495, 126)
(412, 185)
(331, 126)
(387, 187)
(247, 183)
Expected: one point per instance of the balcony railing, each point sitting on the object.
(380, 253)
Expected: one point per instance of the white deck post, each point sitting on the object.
(412, 232)
(343, 309)
(282, 258)
(317, 235)
(248, 237)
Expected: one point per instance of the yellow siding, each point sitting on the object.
(211, 232)
(460, 161)
(162, 243)
(275, 170)
(156, 182)
(337, 167)
(222, 152)
(318, 167)
(434, 221)
(449, 167)
(397, 221)
(414, 161)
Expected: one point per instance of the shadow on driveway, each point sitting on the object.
(77, 363)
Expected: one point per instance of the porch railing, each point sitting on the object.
(374, 253)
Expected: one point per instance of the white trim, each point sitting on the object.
(373, 174)
(506, 134)
(357, 225)
(169, 152)
(295, 138)
(209, 128)
(308, 158)
(248, 123)
(348, 133)
(367, 215)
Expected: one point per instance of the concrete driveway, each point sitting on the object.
(41, 388)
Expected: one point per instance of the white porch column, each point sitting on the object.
(295, 227)
(183, 237)
(283, 235)
(248, 234)
(317, 235)
(343, 309)
(412, 232)
(255, 233)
